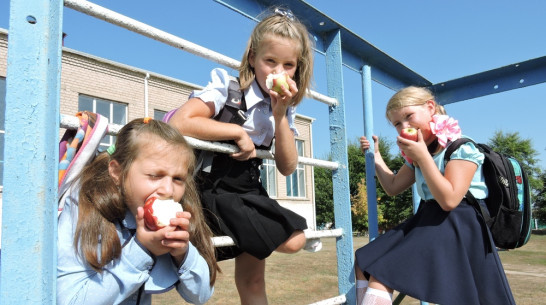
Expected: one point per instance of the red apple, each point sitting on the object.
(277, 82)
(158, 213)
(409, 133)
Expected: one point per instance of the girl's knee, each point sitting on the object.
(294, 243)
(251, 282)
(374, 283)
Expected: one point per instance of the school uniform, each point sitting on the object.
(131, 279)
(234, 200)
(437, 256)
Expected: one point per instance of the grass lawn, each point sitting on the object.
(305, 278)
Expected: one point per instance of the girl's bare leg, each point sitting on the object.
(293, 244)
(250, 279)
(250, 271)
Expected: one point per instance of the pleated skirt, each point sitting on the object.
(236, 204)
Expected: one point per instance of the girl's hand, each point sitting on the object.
(280, 102)
(365, 144)
(415, 150)
(178, 239)
(246, 146)
(172, 239)
(151, 240)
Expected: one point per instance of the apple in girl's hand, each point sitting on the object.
(158, 213)
(409, 133)
(276, 82)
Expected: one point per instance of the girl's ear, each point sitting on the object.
(114, 169)
(251, 58)
(431, 106)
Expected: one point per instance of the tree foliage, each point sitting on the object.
(540, 200)
(324, 202)
(359, 208)
(391, 210)
(522, 150)
(394, 209)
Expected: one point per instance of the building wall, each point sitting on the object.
(98, 77)
(3, 53)
(83, 74)
(304, 206)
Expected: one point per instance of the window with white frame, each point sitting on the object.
(114, 111)
(268, 176)
(295, 183)
(2, 128)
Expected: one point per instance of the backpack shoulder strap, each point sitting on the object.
(235, 107)
(453, 146)
(471, 199)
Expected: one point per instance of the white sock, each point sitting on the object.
(361, 286)
(377, 297)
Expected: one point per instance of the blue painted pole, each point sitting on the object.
(338, 142)
(370, 157)
(415, 197)
(29, 213)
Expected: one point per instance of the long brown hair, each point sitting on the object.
(286, 27)
(102, 204)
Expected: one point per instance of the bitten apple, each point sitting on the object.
(158, 213)
(276, 82)
(409, 133)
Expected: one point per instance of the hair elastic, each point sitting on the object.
(285, 13)
(111, 149)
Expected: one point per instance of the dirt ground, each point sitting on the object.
(305, 278)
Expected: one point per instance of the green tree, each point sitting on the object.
(359, 208)
(540, 201)
(391, 209)
(522, 150)
(357, 167)
(324, 202)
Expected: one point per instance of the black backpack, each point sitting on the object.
(508, 212)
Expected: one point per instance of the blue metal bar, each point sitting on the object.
(370, 157)
(29, 212)
(514, 76)
(415, 197)
(338, 142)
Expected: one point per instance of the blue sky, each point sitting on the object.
(440, 40)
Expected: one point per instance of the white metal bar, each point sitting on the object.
(144, 29)
(340, 299)
(72, 122)
(224, 241)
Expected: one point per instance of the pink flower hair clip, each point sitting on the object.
(445, 128)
